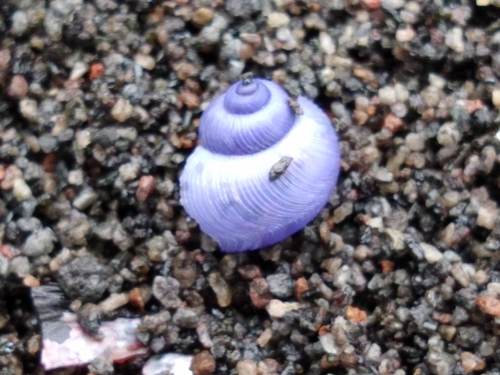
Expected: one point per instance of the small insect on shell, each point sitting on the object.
(280, 167)
(265, 166)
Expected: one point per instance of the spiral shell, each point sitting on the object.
(263, 169)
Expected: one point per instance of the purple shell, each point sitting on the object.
(227, 185)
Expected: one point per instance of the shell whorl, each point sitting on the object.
(249, 117)
(246, 97)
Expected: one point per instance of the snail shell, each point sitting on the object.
(265, 166)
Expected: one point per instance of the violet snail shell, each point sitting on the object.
(266, 164)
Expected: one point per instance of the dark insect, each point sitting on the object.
(279, 167)
(247, 78)
(295, 106)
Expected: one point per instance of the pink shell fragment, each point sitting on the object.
(65, 344)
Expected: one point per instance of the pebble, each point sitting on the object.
(4, 270)
(260, 294)
(487, 216)
(448, 134)
(220, 288)
(342, 212)
(145, 188)
(481, 277)
(148, 63)
(393, 123)
(129, 171)
(139, 297)
(326, 43)
(47, 143)
(5, 57)
(264, 337)
(211, 33)
(278, 309)
(489, 304)
(301, 287)
(96, 70)
(373, 353)
(114, 302)
(451, 199)
(18, 87)
(448, 332)
(40, 242)
(20, 23)
(469, 336)
(73, 230)
(486, 349)
(328, 344)
(21, 190)
(85, 199)
(383, 175)
(437, 81)
(79, 70)
(455, 40)
(268, 366)
(277, 19)
(29, 109)
(242, 8)
(202, 16)
(83, 139)
(285, 35)
(186, 317)
(203, 333)
(85, 278)
(356, 315)
(471, 362)
(246, 367)
(101, 366)
(372, 4)
(122, 110)
(431, 96)
(203, 363)
(189, 99)
(280, 285)
(402, 93)
(393, 4)
(462, 273)
(495, 98)
(76, 177)
(249, 272)
(406, 34)
(440, 363)
(387, 95)
(20, 266)
(415, 141)
(184, 270)
(494, 287)
(431, 253)
(166, 290)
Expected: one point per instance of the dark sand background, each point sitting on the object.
(99, 106)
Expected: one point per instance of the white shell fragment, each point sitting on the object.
(171, 364)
